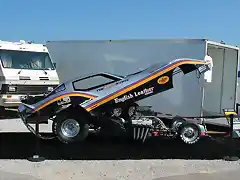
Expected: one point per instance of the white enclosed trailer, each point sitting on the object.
(191, 95)
(238, 86)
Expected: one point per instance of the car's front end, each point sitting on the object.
(28, 109)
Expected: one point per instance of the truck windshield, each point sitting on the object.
(25, 60)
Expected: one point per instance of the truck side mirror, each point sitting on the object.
(55, 65)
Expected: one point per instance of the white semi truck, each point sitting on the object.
(191, 96)
(26, 68)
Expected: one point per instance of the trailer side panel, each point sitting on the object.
(75, 58)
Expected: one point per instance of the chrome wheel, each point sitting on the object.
(190, 134)
(70, 128)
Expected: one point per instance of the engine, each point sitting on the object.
(144, 123)
(147, 126)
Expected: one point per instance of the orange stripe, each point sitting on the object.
(142, 82)
(62, 96)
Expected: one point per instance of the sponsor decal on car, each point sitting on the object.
(163, 80)
(64, 100)
(145, 92)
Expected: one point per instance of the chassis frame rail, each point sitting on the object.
(229, 114)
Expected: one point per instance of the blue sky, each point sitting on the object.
(42, 20)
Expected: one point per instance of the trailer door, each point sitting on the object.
(229, 78)
(221, 92)
(212, 95)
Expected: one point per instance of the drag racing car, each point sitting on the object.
(75, 107)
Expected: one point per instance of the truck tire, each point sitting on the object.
(189, 133)
(70, 128)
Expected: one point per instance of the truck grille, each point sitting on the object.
(26, 89)
(24, 78)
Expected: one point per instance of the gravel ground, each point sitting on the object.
(167, 169)
(129, 169)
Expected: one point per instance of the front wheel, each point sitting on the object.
(70, 128)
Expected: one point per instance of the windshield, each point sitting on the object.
(26, 60)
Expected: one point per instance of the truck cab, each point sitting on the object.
(26, 68)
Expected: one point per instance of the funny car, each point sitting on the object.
(110, 105)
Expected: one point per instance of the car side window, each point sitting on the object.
(91, 82)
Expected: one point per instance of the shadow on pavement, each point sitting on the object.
(22, 146)
(9, 114)
(16, 176)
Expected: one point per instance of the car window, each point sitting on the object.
(92, 82)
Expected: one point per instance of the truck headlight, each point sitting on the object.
(12, 89)
(50, 89)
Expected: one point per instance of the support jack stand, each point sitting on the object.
(233, 146)
(232, 156)
(36, 157)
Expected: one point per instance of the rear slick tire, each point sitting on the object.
(70, 128)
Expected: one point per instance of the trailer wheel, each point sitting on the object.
(69, 128)
(189, 133)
